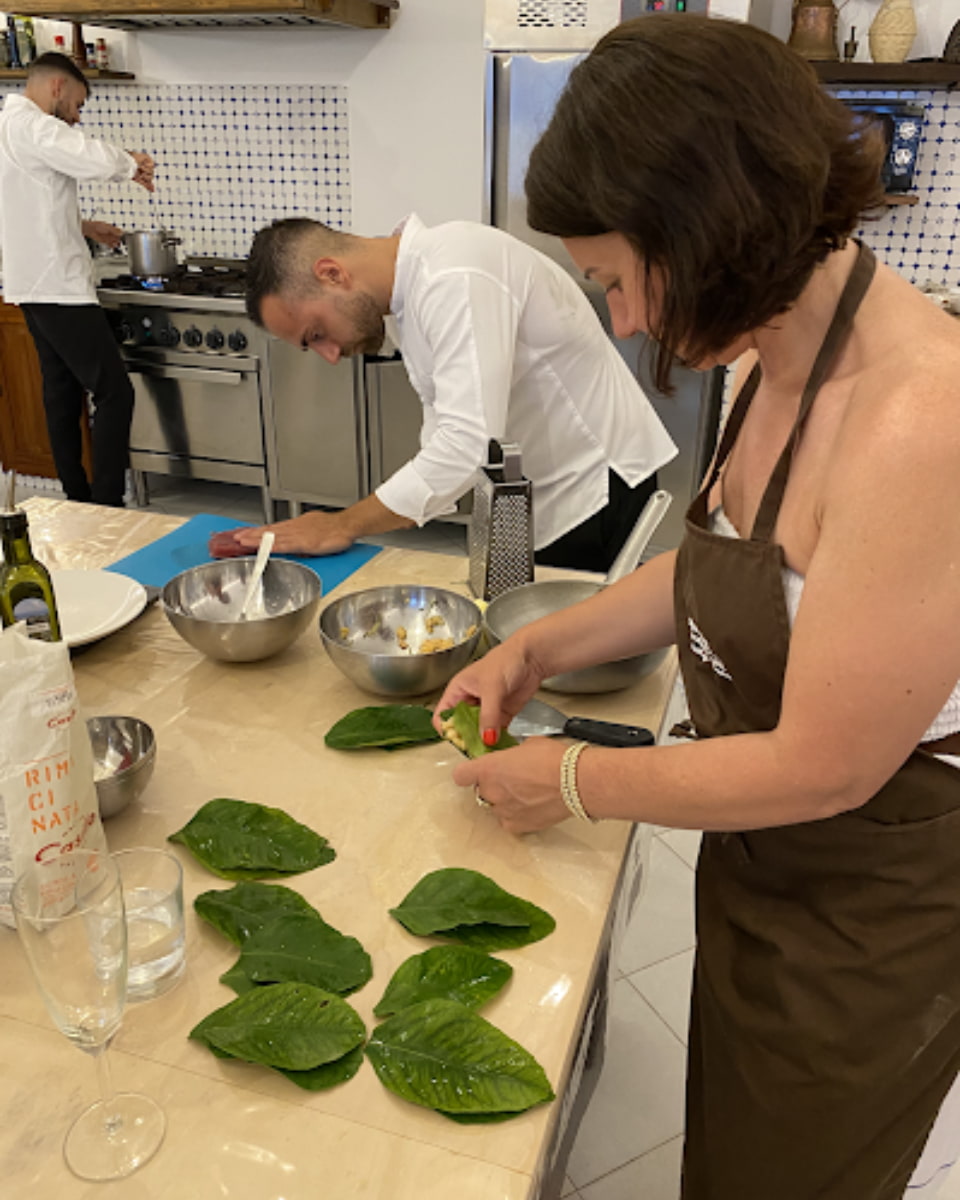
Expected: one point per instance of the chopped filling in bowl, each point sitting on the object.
(402, 635)
(433, 645)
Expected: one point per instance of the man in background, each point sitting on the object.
(48, 270)
(499, 342)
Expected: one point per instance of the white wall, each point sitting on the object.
(415, 91)
(415, 96)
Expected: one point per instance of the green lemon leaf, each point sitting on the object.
(289, 1025)
(441, 1055)
(242, 841)
(329, 1074)
(448, 972)
(466, 906)
(384, 725)
(246, 907)
(316, 1079)
(302, 948)
(466, 723)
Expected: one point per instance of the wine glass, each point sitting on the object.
(70, 917)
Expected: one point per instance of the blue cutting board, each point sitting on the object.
(156, 564)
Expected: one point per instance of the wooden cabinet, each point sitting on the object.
(23, 429)
(24, 445)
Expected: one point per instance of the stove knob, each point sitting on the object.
(215, 339)
(237, 341)
(168, 336)
(124, 331)
(193, 337)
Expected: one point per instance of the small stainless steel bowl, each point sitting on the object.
(124, 751)
(203, 605)
(520, 606)
(375, 636)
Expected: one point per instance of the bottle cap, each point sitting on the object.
(13, 524)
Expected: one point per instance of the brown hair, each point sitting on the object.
(281, 256)
(714, 150)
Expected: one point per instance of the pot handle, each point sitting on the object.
(633, 548)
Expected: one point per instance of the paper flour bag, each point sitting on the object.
(48, 801)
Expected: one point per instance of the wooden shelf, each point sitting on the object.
(937, 75)
(249, 14)
(105, 76)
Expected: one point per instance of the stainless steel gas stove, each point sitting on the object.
(200, 375)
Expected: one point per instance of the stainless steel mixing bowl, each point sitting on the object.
(124, 751)
(203, 605)
(522, 605)
(375, 636)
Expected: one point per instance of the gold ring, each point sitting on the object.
(479, 799)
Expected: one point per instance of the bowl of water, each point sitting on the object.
(152, 881)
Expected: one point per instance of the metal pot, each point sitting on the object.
(152, 253)
(520, 606)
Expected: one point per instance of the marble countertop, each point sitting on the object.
(255, 732)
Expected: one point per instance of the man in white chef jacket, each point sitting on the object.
(48, 270)
(498, 341)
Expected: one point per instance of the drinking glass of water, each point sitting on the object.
(70, 917)
(153, 898)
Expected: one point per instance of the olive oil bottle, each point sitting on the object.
(26, 591)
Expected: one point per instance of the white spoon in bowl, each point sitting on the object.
(263, 553)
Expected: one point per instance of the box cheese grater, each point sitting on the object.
(501, 528)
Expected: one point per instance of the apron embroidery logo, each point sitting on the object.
(701, 648)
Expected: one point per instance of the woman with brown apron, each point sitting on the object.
(825, 1024)
(778, 1072)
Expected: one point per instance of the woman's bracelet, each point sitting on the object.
(568, 782)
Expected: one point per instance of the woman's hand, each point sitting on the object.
(501, 683)
(521, 787)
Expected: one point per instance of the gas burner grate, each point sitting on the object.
(209, 279)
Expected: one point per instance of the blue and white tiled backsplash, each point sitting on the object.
(922, 241)
(229, 159)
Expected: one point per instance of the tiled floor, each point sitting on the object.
(629, 1144)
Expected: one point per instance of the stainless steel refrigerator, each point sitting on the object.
(522, 91)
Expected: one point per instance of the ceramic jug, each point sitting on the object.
(892, 32)
(814, 32)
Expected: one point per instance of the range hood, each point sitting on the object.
(166, 14)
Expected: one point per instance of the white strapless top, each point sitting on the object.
(946, 721)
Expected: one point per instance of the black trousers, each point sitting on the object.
(79, 354)
(594, 544)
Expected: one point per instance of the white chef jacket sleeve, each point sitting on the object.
(70, 151)
(470, 322)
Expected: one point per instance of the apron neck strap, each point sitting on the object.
(741, 407)
(839, 330)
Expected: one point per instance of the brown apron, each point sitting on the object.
(825, 1021)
